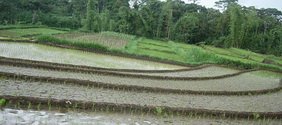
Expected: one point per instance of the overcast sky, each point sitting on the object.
(257, 3)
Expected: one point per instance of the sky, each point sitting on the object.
(257, 3)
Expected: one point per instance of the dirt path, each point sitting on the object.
(243, 82)
(261, 103)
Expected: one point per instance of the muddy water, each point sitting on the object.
(33, 117)
(258, 103)
(67, 56)
(243, 82)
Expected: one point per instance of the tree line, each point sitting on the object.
(231, 25)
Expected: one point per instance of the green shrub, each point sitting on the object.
(2, 102)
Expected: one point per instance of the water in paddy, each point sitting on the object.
(33, 117)
(39, 52)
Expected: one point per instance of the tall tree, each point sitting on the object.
(236, 26)
(90, 24)
(186, 28)
(165, 25)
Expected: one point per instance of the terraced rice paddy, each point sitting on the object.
(207, 94)
(105, 39)
(243, 82)
(66, 56)
(261, 103)
(28, 32)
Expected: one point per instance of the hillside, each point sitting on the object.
(167, 51)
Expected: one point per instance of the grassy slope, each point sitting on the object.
(179, 52)
(28, 32)
(200, 55)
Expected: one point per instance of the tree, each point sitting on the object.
(236, 26)
(186, 28)
(89, 24)
(165, 24)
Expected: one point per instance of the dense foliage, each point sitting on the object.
(259, 30)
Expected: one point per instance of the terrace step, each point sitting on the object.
(268, 105)
(243, 84)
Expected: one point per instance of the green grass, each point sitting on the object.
(119, 35)
(19, 26)
(170, 51)
(28, 32)
(158, 48)
(191, 54)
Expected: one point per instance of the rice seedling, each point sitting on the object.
(159, 111)
(39, 106)
(109, 39)
(29, 105)
(28, 32)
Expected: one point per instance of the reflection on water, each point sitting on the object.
(67, 56)
(31, 117)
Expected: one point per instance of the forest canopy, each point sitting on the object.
(231, 25)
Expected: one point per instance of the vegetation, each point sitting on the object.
(78, 44)
(199, 55)
(109, 39)
(28, 32)
(258, 30)
(2, 102)
(164, 30)
(129, 44)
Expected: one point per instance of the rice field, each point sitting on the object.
(108, 39)
(192, 54)
(243, 82)
(48, 85)
(29, 32)
(67, 56)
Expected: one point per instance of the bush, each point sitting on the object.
(221, 42)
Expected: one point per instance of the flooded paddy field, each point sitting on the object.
(25, 83)
(243, 82)
(270, 102)
(37, 117)
(46, 53)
